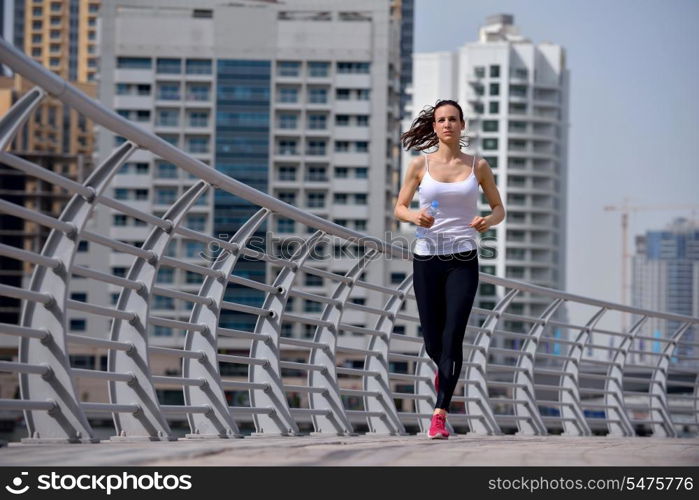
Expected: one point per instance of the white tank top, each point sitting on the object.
(458, 201)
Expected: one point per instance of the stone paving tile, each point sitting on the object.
(366, 451)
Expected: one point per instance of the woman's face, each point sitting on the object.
(447, 123)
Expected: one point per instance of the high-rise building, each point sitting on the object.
(515, 98)
(404, 12)
(61, 35)
(298, 99)
(665, 277)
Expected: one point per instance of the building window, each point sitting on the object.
(198, 92)
(134, 62)
(317, 95)
(193, 278)
(198, 144)
(196, 222)
(162, 331)
(169, 91)
(167, 117)
(340, 199)
(288, 68)
(160, 302)
(341, 146)
(479, 71)
(397, 278)
(79, 296)
(494, 71)
(316, 174)
(286, 226)
(490, 144)
(341, 172)
(362, 120)
(198, 67)
(312, 306)
(287, 147)
(165, 196)
(318, 69)
(316, 148)
(353, 67)
(78, 325)
(494, 89)
(287, 120)
(312, 280)
(165, 170)
(361, 172)
(315, 199)
(119, 271)
(83, 246)
(361, 146)
(360, 199)
(490, 126)
(288, 94)
(286, 173)
(165, 275)
(169, 66)
(199, 119)
(317, 122)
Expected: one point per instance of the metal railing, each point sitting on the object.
(535, 375)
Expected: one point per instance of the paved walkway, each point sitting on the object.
(366, 450)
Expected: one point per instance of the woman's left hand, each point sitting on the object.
(481, 224)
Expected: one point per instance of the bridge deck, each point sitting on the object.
(366, 450)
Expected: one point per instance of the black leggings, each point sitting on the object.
(445, 286)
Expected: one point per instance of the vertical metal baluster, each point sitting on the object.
(614, 385)
(389, 422)
(535, 424)
(219, 422)
(337, 422)
(657, 390)
(475, 382)
(67, 422)
(148, 423)
(280, 422)
(570, 382)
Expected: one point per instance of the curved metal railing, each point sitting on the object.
(533, 375)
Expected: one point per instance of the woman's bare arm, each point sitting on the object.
(490, 189)
(407, 191)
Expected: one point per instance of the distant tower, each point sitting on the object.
(665, 277)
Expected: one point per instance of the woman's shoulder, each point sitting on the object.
(416, 167)
(481, 168)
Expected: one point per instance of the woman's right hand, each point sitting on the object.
(422, 218)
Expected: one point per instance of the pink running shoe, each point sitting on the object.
(436, 381)
(438, 427)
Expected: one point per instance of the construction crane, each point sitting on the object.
(625, 210)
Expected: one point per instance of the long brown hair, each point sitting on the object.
(421, 135)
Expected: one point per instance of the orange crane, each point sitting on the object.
(625, 210)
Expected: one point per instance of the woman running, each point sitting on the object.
(445, 257)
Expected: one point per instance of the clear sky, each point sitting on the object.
(634, 111)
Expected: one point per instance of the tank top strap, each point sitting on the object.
(427, 163)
